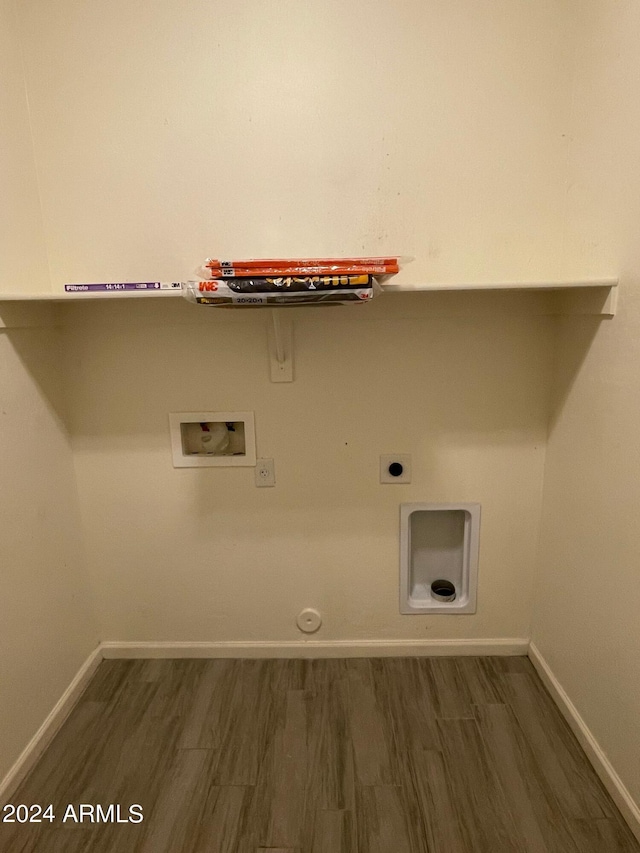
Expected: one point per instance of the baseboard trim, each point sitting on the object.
(49, 728)
(314, 648)
(601, 764)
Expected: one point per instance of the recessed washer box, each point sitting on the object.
(439, 545)
(212, 439)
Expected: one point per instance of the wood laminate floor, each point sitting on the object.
(410, 755)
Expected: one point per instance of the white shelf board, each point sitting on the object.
(595, 297)
(389, 287)
(86, 297)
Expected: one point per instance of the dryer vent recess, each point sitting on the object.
(439, 546)
(442, 590)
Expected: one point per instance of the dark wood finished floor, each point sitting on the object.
(412, 755)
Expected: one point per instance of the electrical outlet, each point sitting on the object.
(395, 468)
(265, 473)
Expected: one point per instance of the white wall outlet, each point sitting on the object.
(395, 468)
(265, 473)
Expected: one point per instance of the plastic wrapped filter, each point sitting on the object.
(282, 290)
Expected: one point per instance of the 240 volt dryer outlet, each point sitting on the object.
(395, 468)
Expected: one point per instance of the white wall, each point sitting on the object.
(48, 628)
(459, 382)
(168, 131)
(586, 618)
(23, 263)
(45, 612)
(163, 132)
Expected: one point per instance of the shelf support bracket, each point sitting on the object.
(598, 301)
(280, 334)
(26, 315)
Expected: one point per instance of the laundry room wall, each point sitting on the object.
(588, 591)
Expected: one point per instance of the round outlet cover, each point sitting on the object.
(309, 620)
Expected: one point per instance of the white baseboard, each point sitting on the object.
(314, 648)
(47, 731)
(601, 764)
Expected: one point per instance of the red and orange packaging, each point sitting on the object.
(268, 267)
(290, 281)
